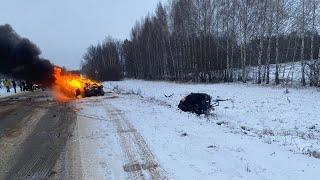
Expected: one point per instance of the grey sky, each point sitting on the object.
(63, 29)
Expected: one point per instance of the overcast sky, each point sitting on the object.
(63, 29)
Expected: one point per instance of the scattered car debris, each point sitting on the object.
(245, 128)
(184, 134)
(312, 127)
(221, 123)
(168, 96)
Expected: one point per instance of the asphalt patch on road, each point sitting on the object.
(38, 154)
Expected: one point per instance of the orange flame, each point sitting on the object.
(68, 86)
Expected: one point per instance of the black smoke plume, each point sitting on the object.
(20, 58)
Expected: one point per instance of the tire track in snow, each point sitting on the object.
(140, 161)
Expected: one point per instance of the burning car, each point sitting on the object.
(69, 85)
(94, 89)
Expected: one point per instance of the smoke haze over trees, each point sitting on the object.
(218, 40)
(20, 58)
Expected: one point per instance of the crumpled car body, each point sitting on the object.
(198, 103)
(91, 90)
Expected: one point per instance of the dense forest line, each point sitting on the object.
(214, 41)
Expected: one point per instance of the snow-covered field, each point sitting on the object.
(261, 133)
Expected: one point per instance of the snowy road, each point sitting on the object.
(33, 132)
(127, 136)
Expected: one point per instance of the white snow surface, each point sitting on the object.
(261, 133)
(3, 92)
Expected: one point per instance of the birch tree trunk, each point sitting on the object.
(260, 60)
(268, 61)
(313, 64)
(277, 44)
(303, 78)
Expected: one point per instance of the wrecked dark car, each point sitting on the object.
(91, 90)
(198, 103)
